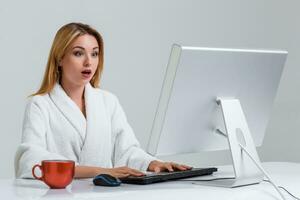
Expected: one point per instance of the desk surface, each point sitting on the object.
(284, 174)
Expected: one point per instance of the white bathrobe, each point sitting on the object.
(55, 128)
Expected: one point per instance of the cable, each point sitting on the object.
(260, 168)
(224, 178)
(285, 190)
(263, 171)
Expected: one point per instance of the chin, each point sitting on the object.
(84, 82)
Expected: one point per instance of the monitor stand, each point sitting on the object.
(237, 132)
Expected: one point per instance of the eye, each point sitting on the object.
(78, 53)
(95, 54)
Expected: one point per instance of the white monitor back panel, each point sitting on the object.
(188, 114)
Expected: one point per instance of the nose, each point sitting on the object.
(87, 61)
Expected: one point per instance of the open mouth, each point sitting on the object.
(86, 72)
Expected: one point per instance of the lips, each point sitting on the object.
(86, 73)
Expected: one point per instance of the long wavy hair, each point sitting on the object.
(63, 38)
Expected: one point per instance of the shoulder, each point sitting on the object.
(37, 99)
(109, 99)
(37, 103)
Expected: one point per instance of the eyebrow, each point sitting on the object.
(84, 48)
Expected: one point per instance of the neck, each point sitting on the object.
(75, 92)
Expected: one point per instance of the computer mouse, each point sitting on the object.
(106, 180)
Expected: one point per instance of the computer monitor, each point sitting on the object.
(209, 93)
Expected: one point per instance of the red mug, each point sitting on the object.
(57, 174)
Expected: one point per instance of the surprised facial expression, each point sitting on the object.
(80, 61)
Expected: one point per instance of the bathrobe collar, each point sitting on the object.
(91, 129)
(69, 109)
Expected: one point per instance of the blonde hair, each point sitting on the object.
(63, 38)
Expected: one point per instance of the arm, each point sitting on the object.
(127, 150)
(120, 172)
(33, 145)
(87, 171)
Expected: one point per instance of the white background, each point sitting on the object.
(138, 36)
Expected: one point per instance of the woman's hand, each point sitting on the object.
(121, 172)
(157, 166)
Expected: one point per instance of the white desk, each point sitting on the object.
(284, 174)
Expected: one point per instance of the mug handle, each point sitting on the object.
(39, 166)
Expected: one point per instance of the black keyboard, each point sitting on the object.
(166, 176)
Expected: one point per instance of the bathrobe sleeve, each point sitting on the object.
(33, 145)
(127, 150)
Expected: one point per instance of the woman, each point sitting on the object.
(69, 117)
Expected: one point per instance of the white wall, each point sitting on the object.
(138, 35)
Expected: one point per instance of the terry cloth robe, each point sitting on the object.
(55, 128)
